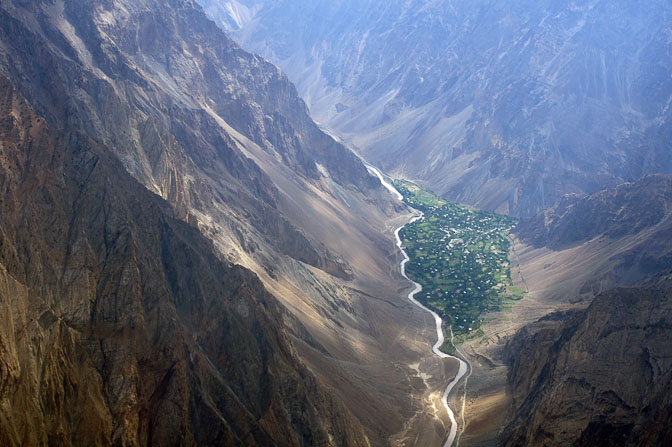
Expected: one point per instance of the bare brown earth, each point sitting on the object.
(360, 335)
(566, 277)
(221, 138)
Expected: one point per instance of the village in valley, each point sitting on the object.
(460, 256)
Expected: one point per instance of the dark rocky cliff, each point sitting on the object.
(598, 372)
(121, 325)
(596, 377)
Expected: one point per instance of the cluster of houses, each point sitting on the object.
(460, 257)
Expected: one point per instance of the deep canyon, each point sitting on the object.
(194, 250)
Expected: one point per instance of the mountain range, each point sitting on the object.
(188, 259)
(503, 105)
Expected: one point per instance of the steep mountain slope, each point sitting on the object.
(584, 245)
(223, 137)
(152, 84)
(564, 257)
(596, 377)
(121, 326)
(505, 105)
(625, 210)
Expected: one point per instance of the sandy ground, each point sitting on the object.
(360, 336)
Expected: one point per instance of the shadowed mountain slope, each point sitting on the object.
(120, 324)
(599, 376)
(625, 210)
(224, 139)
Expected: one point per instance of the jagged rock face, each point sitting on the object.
(224, 139)
(120, 324)
(625, 210)
(155, 81)
(503, 105)
(599, 376)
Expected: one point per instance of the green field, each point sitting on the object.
(460, 257)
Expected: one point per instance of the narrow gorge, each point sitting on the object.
(280, 223)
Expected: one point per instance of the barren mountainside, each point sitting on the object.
(504, 105)
(613, 237)
(221, 141)
(625, 210)
(599, 376)
(580, 359)
(121, 325)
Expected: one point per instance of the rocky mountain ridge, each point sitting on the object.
(624, 210)
(224, 139)
(121, 325)
(599, 376)
(164, 146)
(506, 106)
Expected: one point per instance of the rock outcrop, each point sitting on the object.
(599, 376)
(121, 325)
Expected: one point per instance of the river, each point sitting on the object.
(464, 368)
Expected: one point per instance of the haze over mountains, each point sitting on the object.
(504, 105)
(186, 258)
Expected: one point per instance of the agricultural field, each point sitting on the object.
(460, 257)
